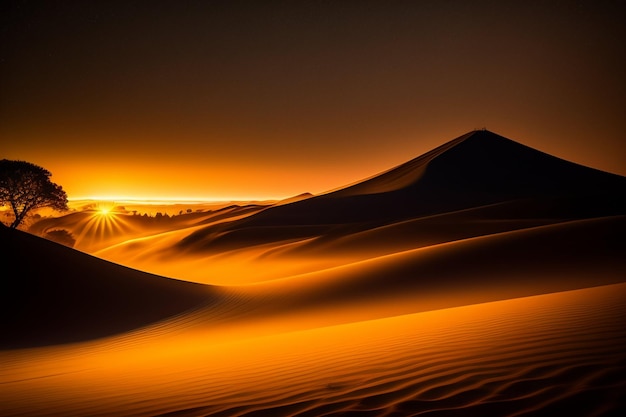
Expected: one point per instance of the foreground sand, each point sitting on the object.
(554, 354)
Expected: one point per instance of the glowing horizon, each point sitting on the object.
(153, 200)
(300, 98)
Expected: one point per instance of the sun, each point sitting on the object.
(103, 221)
(104, 210)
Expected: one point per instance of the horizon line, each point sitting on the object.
(170, 200)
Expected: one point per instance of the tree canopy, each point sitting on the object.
(25, 186)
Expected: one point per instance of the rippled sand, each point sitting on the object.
(554, 354)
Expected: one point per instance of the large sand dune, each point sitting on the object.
(475, 185)
(474, 170)
(568, 255)
(482, 278)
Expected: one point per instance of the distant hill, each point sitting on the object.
(475, 170)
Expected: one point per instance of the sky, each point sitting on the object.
(265, 99)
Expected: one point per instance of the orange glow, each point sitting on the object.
(198, 174)
(105, 211)
(306, 208)
(99, 226)
(436, 359)
(267, 114)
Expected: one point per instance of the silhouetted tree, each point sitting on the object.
(25, 186)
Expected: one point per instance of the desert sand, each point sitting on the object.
(482, 278)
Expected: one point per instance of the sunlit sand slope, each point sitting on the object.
(475, 185)
(513, 264)
(67, 296)
(560, 354)
(93, 229)
(258, 263)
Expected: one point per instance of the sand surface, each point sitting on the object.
(492, 325)
(483, 278)
(555, 354)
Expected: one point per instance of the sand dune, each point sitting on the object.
(228, 261)
(475, 185)
(482, 278)
(60, 295)
(557, 354)
(94, 231)
(531, 261)
(476, 169)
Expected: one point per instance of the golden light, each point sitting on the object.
(104, 209)
(100, 224)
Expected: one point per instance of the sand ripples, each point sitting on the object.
(542, 355)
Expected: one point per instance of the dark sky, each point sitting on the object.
(229, 99)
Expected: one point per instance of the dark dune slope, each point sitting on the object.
(473, 170)
(539, 260)
(53, 294)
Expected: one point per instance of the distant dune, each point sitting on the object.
(475, 185)
(293, 199)
(94, 230)
(474, 170)
(482, 278)
(111, 298)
